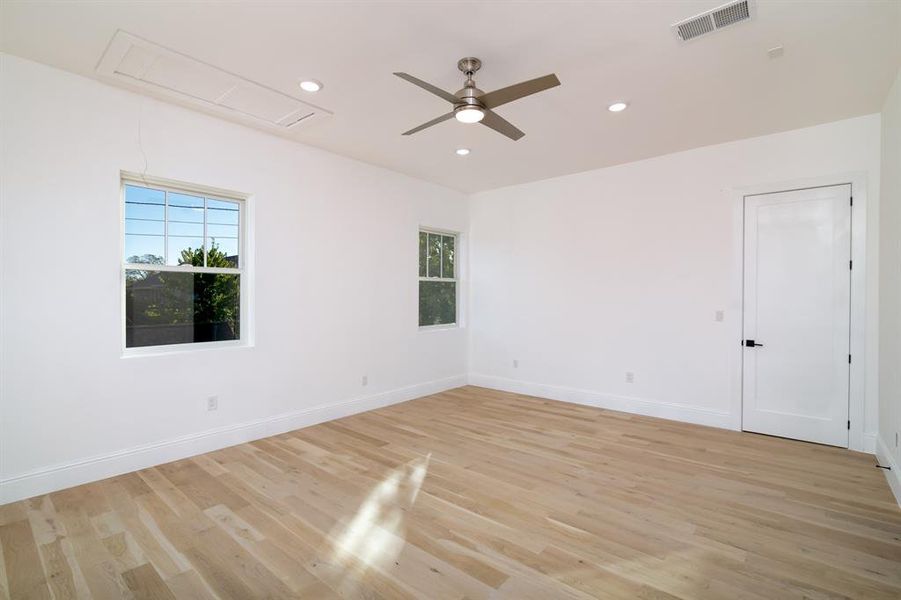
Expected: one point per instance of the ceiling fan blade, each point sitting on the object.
(429, 87)
(430, 123)
(501, 125)
(519, 90)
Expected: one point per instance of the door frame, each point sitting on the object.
(863, 382)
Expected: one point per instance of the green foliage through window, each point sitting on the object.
(172, 307)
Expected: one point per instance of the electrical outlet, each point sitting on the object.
(630, 377)
(719, 316)
(515, 364)
(212, 403)
(364, 380)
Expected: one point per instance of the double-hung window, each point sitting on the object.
(182, 265)
(437, 278)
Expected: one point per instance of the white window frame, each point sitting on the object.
(455, 279)
(179, 187)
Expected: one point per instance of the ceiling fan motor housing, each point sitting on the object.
(469, 96)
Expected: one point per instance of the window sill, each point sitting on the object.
(427, 328)
(168, 350)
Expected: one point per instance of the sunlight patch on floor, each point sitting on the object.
(376, 533)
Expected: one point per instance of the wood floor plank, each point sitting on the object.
(472, 493)
(4, 583)
(58, 572)
(146, 584)
(24, 572)
(190, 585)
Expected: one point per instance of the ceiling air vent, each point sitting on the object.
(714, 19)
(694, 27)
(731, 13)
(169, 75)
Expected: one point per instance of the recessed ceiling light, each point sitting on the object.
(462, 151)
(617, 107)
(310, 85)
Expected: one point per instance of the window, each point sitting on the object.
(437, 279)
(182, 266)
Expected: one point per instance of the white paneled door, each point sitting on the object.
(797, 296)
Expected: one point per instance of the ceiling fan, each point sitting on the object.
(472, 105)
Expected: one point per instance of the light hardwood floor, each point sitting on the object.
(471, 493)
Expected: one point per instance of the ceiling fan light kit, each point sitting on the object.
(472, 105)
(468, 114)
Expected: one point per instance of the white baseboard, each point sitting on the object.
(894, 476)
(869, 443)
(641, 406)
(57, 477)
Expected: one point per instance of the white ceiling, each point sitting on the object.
(840, 59)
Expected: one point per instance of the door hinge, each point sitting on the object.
(849, 359)
(850, 264)
(852, 200)
(849, 424)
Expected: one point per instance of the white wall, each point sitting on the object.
(890, 290)
(585, 277)
(335, 285)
